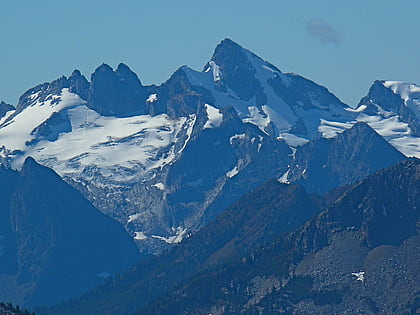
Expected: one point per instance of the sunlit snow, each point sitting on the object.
(257, 118)
(15, 133)
(409, 92)
(6, 115)
(215, 118)
(133, 217)
(359, 109)
(237, 136)
(216, 71)
(159, 186)
(360, 276)
(283, 179)
(329, 129)
(181, 233)
(140, 236)
(148, 142)
(232, 172)
(292, 140)
(152, 98)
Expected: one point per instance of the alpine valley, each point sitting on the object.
(235, 189)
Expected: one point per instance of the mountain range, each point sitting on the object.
(166, 162)
(235, 124)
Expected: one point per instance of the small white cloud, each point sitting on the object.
(323, 31)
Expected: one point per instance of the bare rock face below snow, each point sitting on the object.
(324, 164)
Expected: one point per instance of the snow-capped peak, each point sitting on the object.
(17, 131)
(409, 92)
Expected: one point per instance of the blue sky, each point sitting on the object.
(343, 45)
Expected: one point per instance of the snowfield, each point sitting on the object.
(113, 145)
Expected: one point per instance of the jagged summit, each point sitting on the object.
(228, 42)
(392, 108)
(278, 103)
(324, 164)
(116, 93)
(4, 108)
(380, 95)
(76, 73)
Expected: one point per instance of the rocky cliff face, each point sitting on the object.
(54, 243)
(324, 164)
(4, 108)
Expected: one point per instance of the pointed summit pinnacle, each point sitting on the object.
(232, 67)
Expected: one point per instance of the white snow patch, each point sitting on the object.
(409, 146)
(6, 115)
(360, 276)
(190, 123)
(283, 178)
(292, 140)
(215, 118)
(140, 236)
(278, 111)
(359, 109)
(152, 98)
(241, 136)
(133, 217)
(274, 116)
(261, 120)
(35, 95)
(232, 172)
(159, 186)
(216, 71)
(389, 127)
(181, 233)
(294, 150)
(330, 129)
